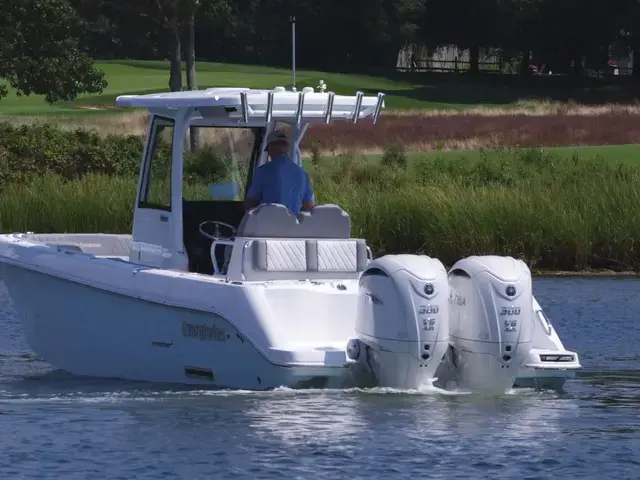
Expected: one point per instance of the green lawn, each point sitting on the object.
(134, 77)
(421, 92)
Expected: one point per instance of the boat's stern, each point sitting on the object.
(316, 365)
(547, 369)
(548, 363)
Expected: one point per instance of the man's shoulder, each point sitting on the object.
(264, 168)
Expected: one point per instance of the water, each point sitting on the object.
(55, 426)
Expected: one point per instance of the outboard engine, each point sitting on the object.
(491, 327)
(402, 320)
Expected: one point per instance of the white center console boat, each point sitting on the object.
(280, 300)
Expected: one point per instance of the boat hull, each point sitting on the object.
(89, 331)
(107, 317)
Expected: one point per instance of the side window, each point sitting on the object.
(156, 186)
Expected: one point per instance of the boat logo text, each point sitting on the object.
(203, 332)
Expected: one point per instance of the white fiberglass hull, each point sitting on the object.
(88, 331)
(108, 318)
(91, 332)
(105, 317)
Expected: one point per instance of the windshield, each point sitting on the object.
(217, 168)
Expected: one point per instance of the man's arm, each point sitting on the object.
(308, 199)
(255, 191)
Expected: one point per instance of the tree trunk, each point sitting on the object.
(635, 48)
(524, 64)
(192, 82)
(474, 59)
(175, 57)
(578, 71)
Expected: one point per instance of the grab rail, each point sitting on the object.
(214, 260)
(244, 251)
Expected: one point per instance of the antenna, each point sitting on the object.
(292, 19)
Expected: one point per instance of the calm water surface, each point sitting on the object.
(55, 426)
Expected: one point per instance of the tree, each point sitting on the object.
(464, 23)
(40, 51)
(521, 25)
(209, 8)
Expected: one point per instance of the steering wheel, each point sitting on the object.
(216, 235)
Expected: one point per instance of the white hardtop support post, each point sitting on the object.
(145, 152)
(297, 134)
(157, 238)
(177, 167)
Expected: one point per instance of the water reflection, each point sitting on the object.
(303, 418)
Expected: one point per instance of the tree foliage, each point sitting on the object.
(40, 51)
(41, 40)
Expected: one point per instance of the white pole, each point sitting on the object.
(293, 50)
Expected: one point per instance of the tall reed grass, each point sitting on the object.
(555, 213)
(547, 125)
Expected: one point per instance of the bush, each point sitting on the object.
(394, 155)
(206, 166)
(316, 154)
(28, 151)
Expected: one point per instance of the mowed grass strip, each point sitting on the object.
(431, 92)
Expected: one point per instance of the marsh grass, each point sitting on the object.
(555, 213)
(419, 131)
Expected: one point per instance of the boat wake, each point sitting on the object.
(56, 386)
(26, 379)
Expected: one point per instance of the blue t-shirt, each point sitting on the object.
(281, 181)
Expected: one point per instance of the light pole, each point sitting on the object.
(292, 19)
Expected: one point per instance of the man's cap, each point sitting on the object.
(276, 136)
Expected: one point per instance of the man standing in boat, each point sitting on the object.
(281, 180)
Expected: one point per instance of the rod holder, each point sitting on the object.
(245, 106)
(356, 113)
(329, 112)
(300, 107)
(378, 109)
(269, 106)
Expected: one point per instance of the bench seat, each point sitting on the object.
(301, 259)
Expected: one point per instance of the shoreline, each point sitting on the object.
(585, 273)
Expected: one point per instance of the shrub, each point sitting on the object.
(28, 151)
(316, 154)
(206, 166)
(32, 150)
(394, 155)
